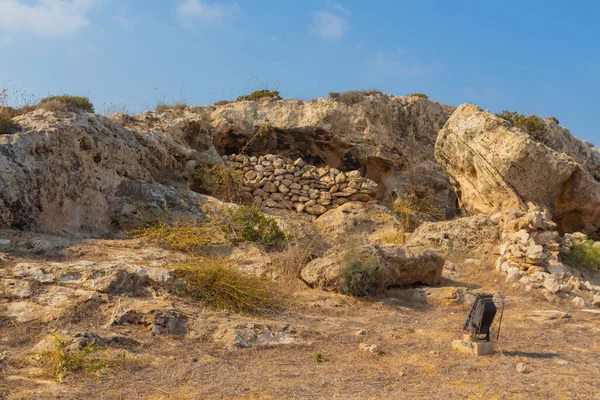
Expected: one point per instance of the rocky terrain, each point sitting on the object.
(355, 233)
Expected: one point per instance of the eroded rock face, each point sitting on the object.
(389, 138)
(62, 172)
(495, 167)
(398, 267)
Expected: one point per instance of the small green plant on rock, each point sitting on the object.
(532, 124)
(180, 237)
(419, 95)
(583, 255)
(249, 224)
(7, 125)
(67, 103)
(260, 94)
(360, 277)
(63, 360)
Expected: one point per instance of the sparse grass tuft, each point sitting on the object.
(63, 360)
(318, 357)
(180, 237)
(7, 125)
(260, 94)
(419, 95)
(249, 224)
(67, 103)
(222, 287)
(352, 97)
(415, 207)
(222, 181)
(532, 124)
(583, 255)
(162, 107)
(360, 277)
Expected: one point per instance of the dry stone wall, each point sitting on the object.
(277, 182)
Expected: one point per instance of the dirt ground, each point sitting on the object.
(413, 359)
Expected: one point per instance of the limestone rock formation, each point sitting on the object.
(389, 138)
(398, 267)
(495, 167)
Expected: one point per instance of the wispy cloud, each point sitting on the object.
(190, 10)
(339, 7)
(45, 17)
(392, 65)
(328, 25)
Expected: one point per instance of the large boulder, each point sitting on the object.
(496, 167)
(462, 236)
(398, 267)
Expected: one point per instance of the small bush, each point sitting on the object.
(360, 278)
(222, 287)
(67, 103)
(162, 107)
(179, 237)
(249, 224)
(7, 125)
(318, 357)
(419, 95)
(222, 102)
(260, 94)
(63, 360)
(352, 97)
(416, 206)
(583, 255)
(532, 124)
(222, 181)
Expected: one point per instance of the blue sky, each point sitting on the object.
(539, 57)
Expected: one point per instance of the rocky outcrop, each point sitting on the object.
(495, 167)
(458, 237)
(397, 267)
(277, 182)
(62, 172)
(390, 139)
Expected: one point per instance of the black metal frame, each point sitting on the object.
(486, 306)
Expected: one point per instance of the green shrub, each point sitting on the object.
(260, 94)
(222, 287)
(67, 103)
(222, 181)
(532, 124)
(7, 125)
(419, 95)
(63, 360)
(318, 357)
(583, 255)
(360, 278)
(249, 224)
(222, 102)
(352, 97)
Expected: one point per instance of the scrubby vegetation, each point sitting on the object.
(222, 287)
(67, 103)
(416, 206)
(583, 255)
(224, 182)
(419, 95)
(249, 224)
(532, 124)
(318, 357)
(180, 237)
(7, 125)
(352, 97)
(260, 94)
(162, 107)
(360, 278)
(62, 360)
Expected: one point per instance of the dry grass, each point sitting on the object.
(67, 103)
(222, 287)
(222, 181)
(7, 125)
(360, 276)
(180, 237)
(162, 107)
(414, 205)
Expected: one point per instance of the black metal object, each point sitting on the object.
(481, 322)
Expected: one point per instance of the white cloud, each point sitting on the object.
(339, 7)
(45, 17)
(188, 10)
(328, 25)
